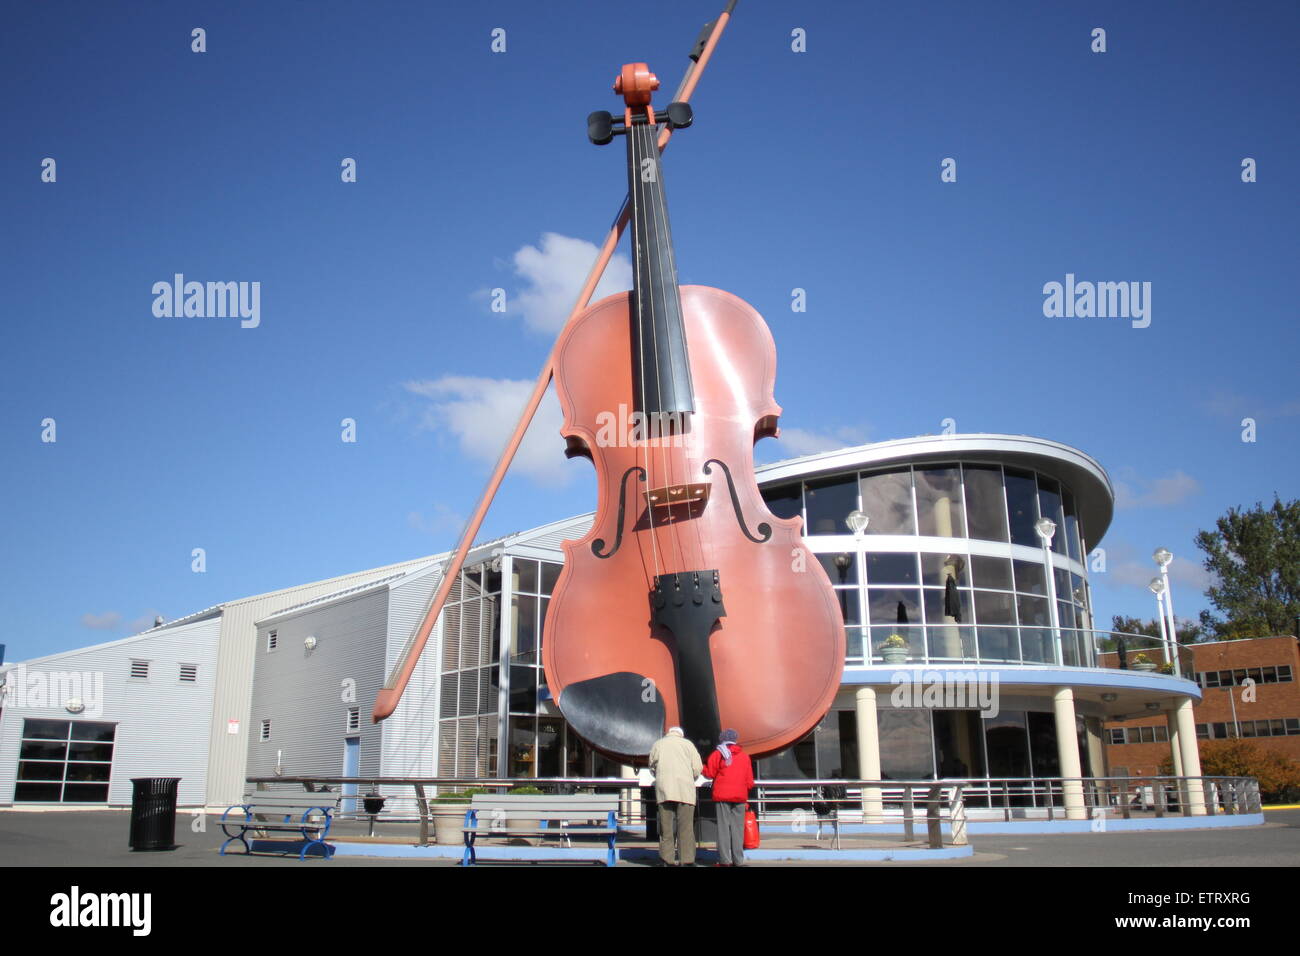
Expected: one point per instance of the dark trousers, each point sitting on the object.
(731, 833)
(677, 826)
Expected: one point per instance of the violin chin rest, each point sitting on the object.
(620, 713)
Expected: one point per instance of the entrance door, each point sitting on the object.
(351, 767)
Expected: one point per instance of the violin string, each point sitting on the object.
(637, 235)
(649, 151)
(687, 465)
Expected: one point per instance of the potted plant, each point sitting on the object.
(1166, 668)
(448, 810)
(1140, 662)
(894, 649)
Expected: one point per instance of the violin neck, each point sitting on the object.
(661, 371)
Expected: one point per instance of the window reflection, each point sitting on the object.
(1022, 507)
(785, 501)
(1049, 506)
(887, 501)
(939, 505)
(889, 568)
(829, 503)
(986, 509)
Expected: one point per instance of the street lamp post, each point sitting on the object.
(1157, 587)
(1046, 527)
(1164, 558)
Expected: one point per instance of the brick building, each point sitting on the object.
(1249, 690)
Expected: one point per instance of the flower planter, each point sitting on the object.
(448, 823)
(894, 655)
(1143, 666)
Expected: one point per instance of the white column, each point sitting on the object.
(869, 754)
(1191, 756)
(1067, 750)
(1175, 749)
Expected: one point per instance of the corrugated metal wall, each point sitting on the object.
(410, 735)
(228, 752)
(306, 694)
(163, 723)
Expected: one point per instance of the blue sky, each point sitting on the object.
(816, 170)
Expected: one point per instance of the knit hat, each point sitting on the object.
(729, 737)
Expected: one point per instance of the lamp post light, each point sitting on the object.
(1046, 527)
(1157, 587)
(1164, 558)
(857, 521)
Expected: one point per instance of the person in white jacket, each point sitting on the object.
(676, 764)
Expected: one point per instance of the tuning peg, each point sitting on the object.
(600, 127)
(680, 115)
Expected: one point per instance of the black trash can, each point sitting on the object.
(153, 813)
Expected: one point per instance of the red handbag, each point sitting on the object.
(752, 835)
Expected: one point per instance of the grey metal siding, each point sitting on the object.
(228, 752)
(162, 722)
(306, 694)
(410, 735)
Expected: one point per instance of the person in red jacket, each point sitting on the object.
(732, 773)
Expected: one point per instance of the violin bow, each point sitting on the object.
(390, 695)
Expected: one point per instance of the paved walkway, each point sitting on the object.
(99, 838)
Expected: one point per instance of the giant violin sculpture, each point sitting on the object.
(688, 602)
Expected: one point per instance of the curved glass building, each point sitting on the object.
(971, 649)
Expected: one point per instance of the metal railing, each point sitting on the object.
(1031, 645)
(804, 805)
(796, 806)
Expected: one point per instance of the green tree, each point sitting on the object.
(1254, 556)
(1189, 632)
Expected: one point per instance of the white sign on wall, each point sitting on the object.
(232, 726)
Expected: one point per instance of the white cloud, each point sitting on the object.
(552, 274)
(440, 521)
(795, 442)
(114, 621)
(108, 621)
(481, 413)
(1155, 493)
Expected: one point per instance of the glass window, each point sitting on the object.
(523, 690)
(985, 508)
(991, 573)
(829, 503)
(1030, 578)
(937, 609)
(1071, 529)
(994, 607)
(1022, 507)
(1007, 741)
(887, 500)
(938, 502)
(841, 568)
(906, 748)
(525, 575)
(894, 605)
(523, 639)
(550, 574)
(45, 729)
(891, 568)
(848, 600)
(1049, 506)
(1042, 744)
(933, 567)
(785, 501)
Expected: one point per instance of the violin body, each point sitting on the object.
(775, 637)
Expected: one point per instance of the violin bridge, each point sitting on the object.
(670, 495)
